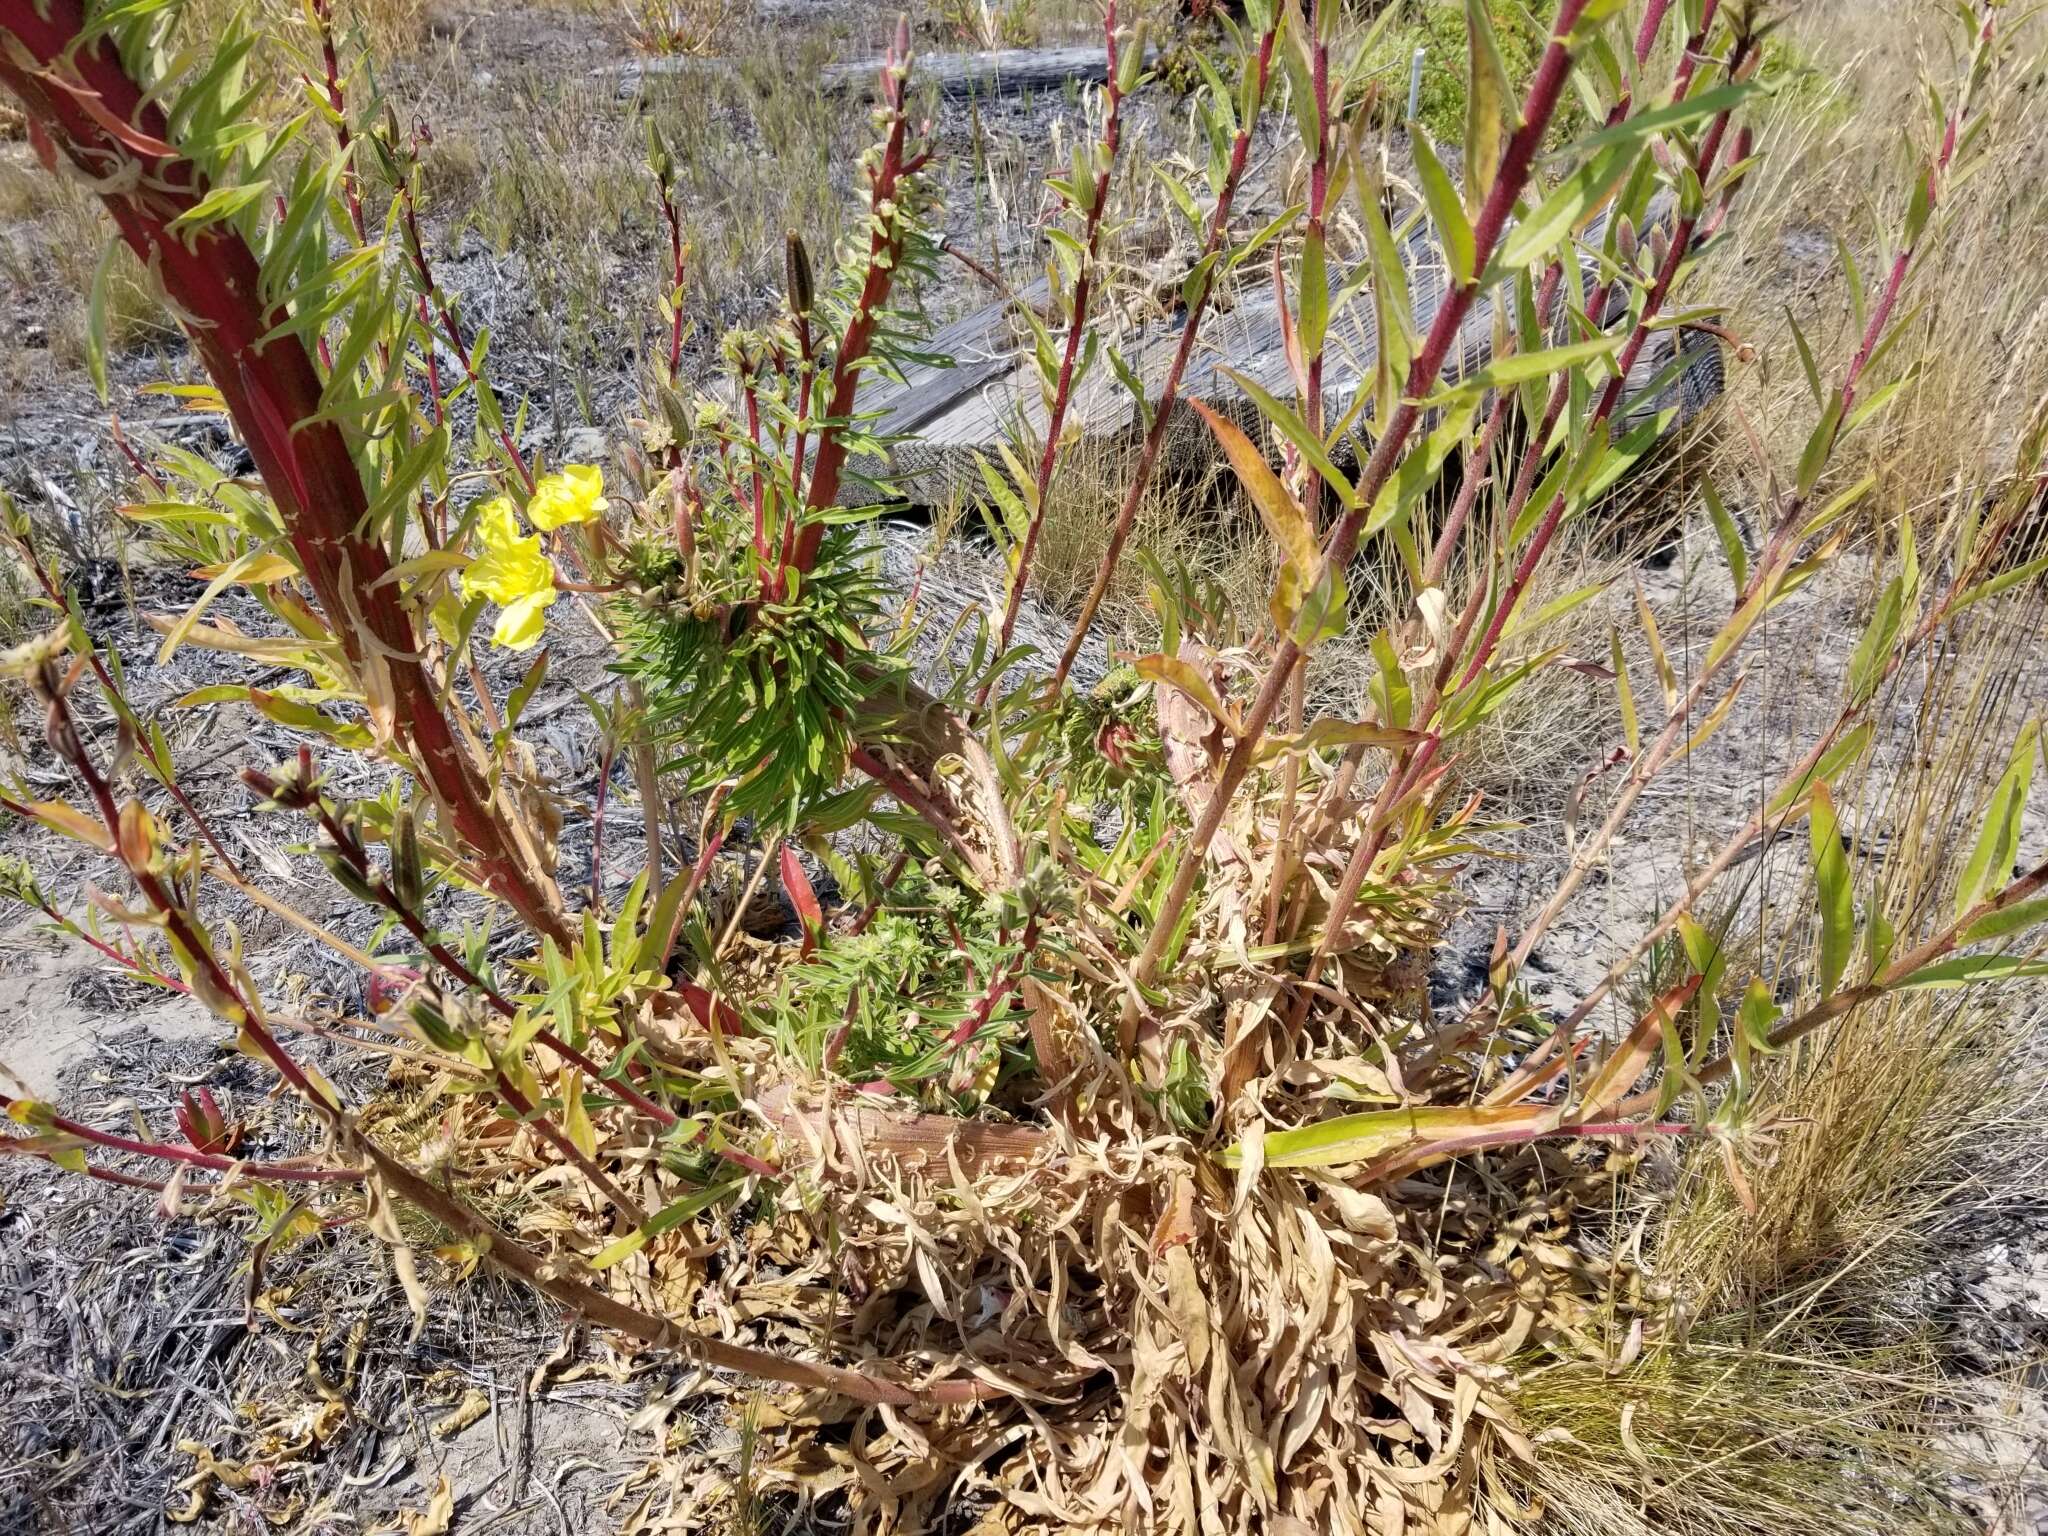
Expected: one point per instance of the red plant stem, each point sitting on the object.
(351, 848)
(1513, 174)
(135, 460)
(223, 994)
(416, 250)
(927, 809)
(1000, 984)
(1539, 543)
(1155, 438)
(351, 184)
(133, 964)
(885, 250)
(274, 394)
(1414, 763)
(170, 1152)
(1077, 325)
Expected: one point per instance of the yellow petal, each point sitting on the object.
(574, 494)
(497, 522)
(520, 625)
(505, 573)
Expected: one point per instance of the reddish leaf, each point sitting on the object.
(797, 886)
(714, 1014)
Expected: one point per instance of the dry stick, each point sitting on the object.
(1055, 422)
(223, 994)
(1513, 174)
(1155, 438)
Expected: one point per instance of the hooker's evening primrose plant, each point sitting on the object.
(1095, 1109)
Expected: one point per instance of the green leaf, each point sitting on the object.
(219, 205)
(1819, 446)
(1574, 201)
(1518, 367)
(2007, 920)
(1489, 98)
(1373, 1133)
(1964, 969)
(671, 1215)
(1837, 899)
(1446, 212)
(1287, 421)
(1826, 771)
(1732, 548)
(1875, 645)
(1991, 859)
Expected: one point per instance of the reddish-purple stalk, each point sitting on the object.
(1002, 981)
(1553, 516)
(416, 251)
(1306, 488)
(85, 104)
(223, 993)
(171, 1152)
(351, 849)
(1545, 89)
(885, 251)
(1414, 764)
(1155, 437)
(1077, 325)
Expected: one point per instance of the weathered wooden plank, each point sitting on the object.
(945, 415)
(993, 72)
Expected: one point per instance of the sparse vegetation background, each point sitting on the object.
(1263, 768)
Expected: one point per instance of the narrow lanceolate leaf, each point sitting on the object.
(1874, 648)
(1610, 1085)
(1964, 969)
(2017, 918)
(1666, 678)
(1488, 95)
(1732, 547)
(1752, 1033)
(1520, 367)
(1287, 421)
(1837, 899)
(1631, 732)
(1374, 1133)
(1827, 771)
(673, 1215)
(1446, 212)
(1997, 845)
(1574, 201)
(1172, 672)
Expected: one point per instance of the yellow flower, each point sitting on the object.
(511, 572)
(573, 495)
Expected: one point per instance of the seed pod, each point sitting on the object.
(796, 274)
(408, 873)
